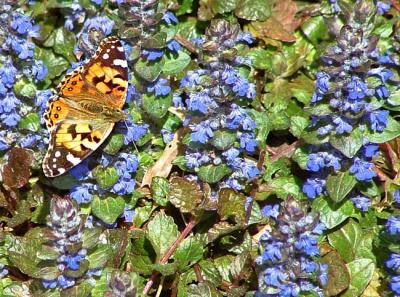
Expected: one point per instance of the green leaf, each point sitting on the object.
(339, 185)
(338, 275)
(55, 64)
(149, 70)
(361, 273)
(162, 232)
(106, 177)
(333, 214)
(99, 256)
(315, 29)
(156, 41)
(223, 139)
(241, 266)
(142, 253)
(25, 88)
(21, 215)
(212, 174)
(81, 290)
(188, 253)
(348, 145)
(63, 43)
(184, 194)
(297, 125)
(176, 63)
(115, 142)
(352, 242)
(142, 214)
(157, 107)
(30, 122)
(108, 209)
(231, 204)
(391, 131)
(223, 6)
(253, 10)
(159, 190)
(205, 289)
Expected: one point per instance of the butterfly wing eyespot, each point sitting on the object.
(75, 131)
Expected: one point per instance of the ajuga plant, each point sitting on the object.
(65, 235)
(215, 96)
(288, 262)
(348, 115)
(144, 28)
(393, 263)
(19, 72)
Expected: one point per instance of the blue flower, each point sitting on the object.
(395, 284)
(128, 215)
(170, 18)
(23, 25)
(8, 73)
(97, 2)
(362, 170)
(82, 193)
(313, 187)
(393, 262)
(192, 78)
(393, 225)
(248, 142)
(134, 132)
(246, 37)
(378, 119)
(200, 101)
(357, 88)
(239, 116)
(100, 23)
(152, 54)
(160, 87)
(173, 45)
(383, 7)
(38, 70)
(270, 211)
(21, 47)
(320, 160)
(361, 202)
(342, 126)
(396, 196)
(322, 82)
(201, 132)
(250, 170)
(196, 159)
(29, 140)
(370, 150)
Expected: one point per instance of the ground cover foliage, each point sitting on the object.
(259, 157)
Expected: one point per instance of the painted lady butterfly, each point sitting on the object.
(87, 106)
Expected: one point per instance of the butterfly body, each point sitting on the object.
(88, 104)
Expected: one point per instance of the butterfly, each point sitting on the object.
(88, 103)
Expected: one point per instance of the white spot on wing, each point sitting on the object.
(73, 160)
(57, 154)
(105, 56)
(119, 62)
(120, 48)
(61, 170)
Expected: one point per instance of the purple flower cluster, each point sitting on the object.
(215, 96)
(393, 263)
(18, 66)
(351, 89)
(66, 229)
(287, 263)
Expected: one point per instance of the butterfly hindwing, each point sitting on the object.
(71, 143)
